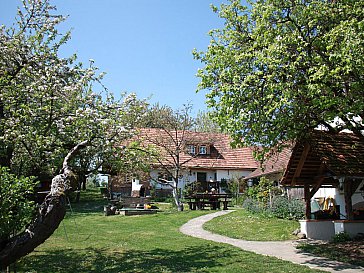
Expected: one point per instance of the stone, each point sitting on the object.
(296, 232)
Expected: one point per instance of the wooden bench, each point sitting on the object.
(133, 202)
(131, 212)
(128, 205)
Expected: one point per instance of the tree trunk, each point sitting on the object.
(78, 191)
(47, 220)
(176, 197)
(80, 185)
(83, 181)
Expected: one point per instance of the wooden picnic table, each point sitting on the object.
(214, 200)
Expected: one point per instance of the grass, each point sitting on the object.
(88, 241)
(253, 227)
(347, 252)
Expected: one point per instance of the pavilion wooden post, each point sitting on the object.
(350, 186)
(307, 201)
(348, 201)
(310, 193)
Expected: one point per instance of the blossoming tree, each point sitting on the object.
(51, 117)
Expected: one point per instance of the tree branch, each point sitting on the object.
(47, 219)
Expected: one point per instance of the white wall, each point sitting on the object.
(154, 175)
(189, 178)
(135, 186)
(229, 174)
(339, 196)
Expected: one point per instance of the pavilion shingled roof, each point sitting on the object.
(342, 153)
(325, 153)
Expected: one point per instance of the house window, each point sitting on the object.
(128, 178)
(191, 149)
(202, 150)
(165, 175)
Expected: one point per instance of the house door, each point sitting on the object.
(201, 181)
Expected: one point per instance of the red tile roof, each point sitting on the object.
(275, 164)
(221, 156)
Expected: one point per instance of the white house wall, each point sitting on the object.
(229, 174)
(135, 185)
(339, 197)
(154, 176)
(190, 177)
(210, 175)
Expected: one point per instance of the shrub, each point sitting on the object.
(297, 208)
(252, 205)
(16, 208)
(341, 237)
(282, 207)
(237, 201)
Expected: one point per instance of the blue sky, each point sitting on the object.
(144, 46)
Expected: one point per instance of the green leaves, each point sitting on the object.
(16, 207)
(278, 69)
(50, 103)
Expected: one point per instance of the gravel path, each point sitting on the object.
(284, 250)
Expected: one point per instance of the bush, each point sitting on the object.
(16, 208)
(282, 207)
(297, 208)
(341, 237)
(252, 205)
(237, 201)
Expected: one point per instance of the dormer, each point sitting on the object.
(191, 149)
(198, 149)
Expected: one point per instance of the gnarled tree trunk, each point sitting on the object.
(47, 220)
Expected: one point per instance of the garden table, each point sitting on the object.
(200, 200)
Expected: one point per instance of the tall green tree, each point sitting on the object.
(156, 116)
(55, 118)
(280, 68)
(205, 123)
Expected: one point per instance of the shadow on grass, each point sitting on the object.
(96, 260)
(88, 207)
(350, 257)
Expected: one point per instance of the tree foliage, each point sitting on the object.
(280, 68)
(49, 105)
(204, 123)
(156, 116)
(17, 209)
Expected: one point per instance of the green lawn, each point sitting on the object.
(255, 227)
(88, 241)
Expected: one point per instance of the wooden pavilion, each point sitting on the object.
(327, 160)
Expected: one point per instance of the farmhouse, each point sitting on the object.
(205, 161)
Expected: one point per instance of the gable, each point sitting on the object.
(219, 154)
(325, 156)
